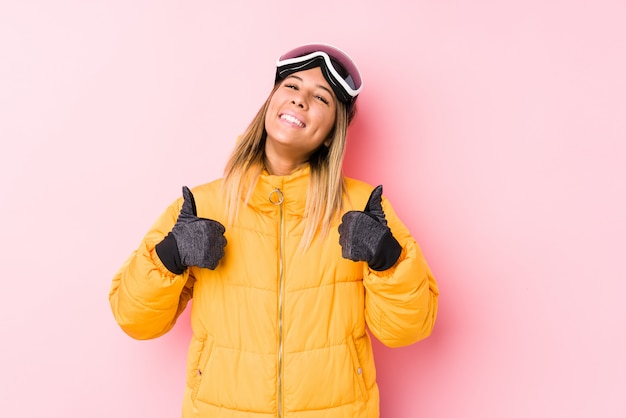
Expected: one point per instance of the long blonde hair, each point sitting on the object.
(326, 186)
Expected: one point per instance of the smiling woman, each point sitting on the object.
(299, 119)
(288, 263)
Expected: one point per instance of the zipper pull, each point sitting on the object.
(276, 197)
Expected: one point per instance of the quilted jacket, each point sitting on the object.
(277, 332)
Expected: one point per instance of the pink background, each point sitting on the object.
(498, 129)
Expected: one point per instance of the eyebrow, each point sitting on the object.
(318, 85)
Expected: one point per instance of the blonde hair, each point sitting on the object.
(324, 200)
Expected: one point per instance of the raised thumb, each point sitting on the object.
(374, 204)
(189, 204)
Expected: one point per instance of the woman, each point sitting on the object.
(286, 261)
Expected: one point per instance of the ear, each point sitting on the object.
(328, 142)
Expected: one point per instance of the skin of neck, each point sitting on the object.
(282, 167)
(283, 164)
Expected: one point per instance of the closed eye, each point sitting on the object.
(322, 99)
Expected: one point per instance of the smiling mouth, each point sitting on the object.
(292, 119)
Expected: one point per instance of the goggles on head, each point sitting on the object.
(337, 67)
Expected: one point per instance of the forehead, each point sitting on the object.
(314, 77)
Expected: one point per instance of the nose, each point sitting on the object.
(299, 100)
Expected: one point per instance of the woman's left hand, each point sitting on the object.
(365, 236)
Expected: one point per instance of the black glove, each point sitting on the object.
(365, 236)
(193, 241)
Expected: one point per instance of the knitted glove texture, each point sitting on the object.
(365, 236)
(193, 241)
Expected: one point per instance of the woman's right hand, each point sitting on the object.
(193, 241)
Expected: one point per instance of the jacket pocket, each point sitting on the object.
(199, 353)
(358, 368)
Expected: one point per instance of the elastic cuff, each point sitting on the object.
(167, 250)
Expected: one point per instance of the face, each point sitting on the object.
(300, 116)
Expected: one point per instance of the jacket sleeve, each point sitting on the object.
(401, 302)
(145, 297)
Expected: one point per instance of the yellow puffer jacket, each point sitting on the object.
(277, 333)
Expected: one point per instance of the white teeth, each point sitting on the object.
(292, 119)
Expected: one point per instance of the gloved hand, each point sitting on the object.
(193, 241)
(365, 236)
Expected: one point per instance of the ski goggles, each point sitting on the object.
(337, 67)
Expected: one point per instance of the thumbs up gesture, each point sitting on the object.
(365, 236)
(193, 241)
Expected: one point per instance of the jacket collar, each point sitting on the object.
(292, 189)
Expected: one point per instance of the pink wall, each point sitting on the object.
(497, 128)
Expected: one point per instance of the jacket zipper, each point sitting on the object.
(281, 291)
